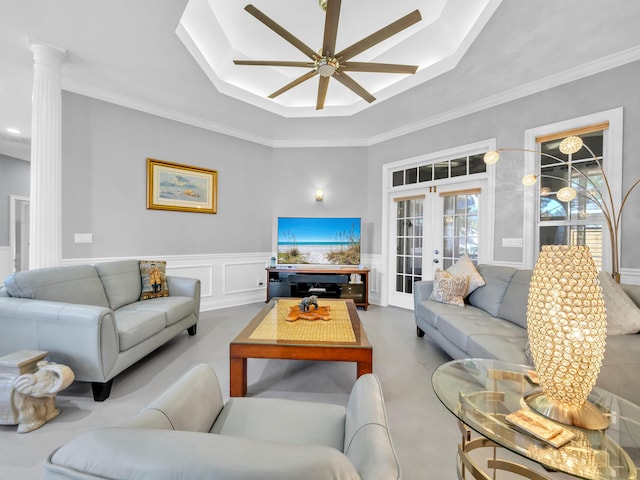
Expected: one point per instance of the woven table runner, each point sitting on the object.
(275, 326)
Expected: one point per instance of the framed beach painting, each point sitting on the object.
(171, 186)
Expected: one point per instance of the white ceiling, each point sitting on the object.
(127, 52)
(216, 33)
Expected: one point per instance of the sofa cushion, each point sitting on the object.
(285, 421)
(508, 348)
(137, 326)
(459, 325)
(623, 315)
(514, 303)
(78, 284)
(430, 311)
(173, 308)
(465, 267)
(153, 278)
(449, 289)
(121, 281)
(489, 297)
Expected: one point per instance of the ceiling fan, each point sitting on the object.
(327, 62)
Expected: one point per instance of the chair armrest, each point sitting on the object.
(83, 337)
(166, 454)
(367, 440)
(192, 403)
(185, 287)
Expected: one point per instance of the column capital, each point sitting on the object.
(45, 53)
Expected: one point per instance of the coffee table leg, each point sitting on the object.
(238, 376)
(364, 367)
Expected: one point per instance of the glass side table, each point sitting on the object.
(480, 393)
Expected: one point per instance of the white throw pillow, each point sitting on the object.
(448, 288)
(465, 267)
(623, 316)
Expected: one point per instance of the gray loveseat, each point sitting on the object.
(188, 432)
(89, 317)
(493, 325)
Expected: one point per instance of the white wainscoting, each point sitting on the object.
(6, 263)
(226, 279)
(376, 272)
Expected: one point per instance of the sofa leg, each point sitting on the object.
(419, 332)
(192, 329)
(101, 391)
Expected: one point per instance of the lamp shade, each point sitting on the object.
(566, 324)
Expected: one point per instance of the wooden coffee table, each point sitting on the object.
(270, 335)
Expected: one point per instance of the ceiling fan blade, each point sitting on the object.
(293, 40)
(274, 63)
(378, 67)
(352, 85)
(331, 27)
(322, 92)
(379, 36)
(296, 82)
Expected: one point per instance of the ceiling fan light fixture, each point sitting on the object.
(326, 66)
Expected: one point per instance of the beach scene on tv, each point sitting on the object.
(318, 241)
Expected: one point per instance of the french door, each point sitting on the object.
(431, 228)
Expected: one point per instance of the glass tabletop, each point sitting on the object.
(481, 393)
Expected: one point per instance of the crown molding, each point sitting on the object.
(16, 147)
(555, 80)
(603, 64)
(152, 109)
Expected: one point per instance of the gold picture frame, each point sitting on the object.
(172, 186)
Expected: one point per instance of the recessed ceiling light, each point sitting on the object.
(13, 131)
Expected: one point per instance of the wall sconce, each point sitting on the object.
(319, 195)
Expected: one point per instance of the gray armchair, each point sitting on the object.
(188, 432)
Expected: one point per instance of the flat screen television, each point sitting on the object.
(318, 241)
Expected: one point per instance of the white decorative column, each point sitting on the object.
(45, 237)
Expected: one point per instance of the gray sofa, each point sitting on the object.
(188, 432)
(493, 325)
(89, 317)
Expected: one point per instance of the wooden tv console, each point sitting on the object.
(323, 282)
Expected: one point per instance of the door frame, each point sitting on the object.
(389, 192)
(14, 202)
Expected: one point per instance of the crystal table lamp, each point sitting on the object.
(567, 328)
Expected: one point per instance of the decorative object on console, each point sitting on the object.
(329, 62)
(465, 267)
(601, 195)
(154, 279)
(567, 328)
(172, 186)
(448, 288)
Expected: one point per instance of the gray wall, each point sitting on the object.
(104, 174)
(105, 148)
(14, 180)
(341, 173)
(507, 123)
(104, 185)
